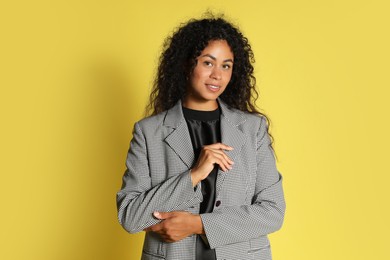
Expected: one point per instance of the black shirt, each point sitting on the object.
(204, 128)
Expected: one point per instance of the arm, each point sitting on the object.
(265, 214)
(137, 200)
(178, 224)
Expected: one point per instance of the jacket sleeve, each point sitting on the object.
(265, 215)
(137, 199)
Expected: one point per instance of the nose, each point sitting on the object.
(216, 74)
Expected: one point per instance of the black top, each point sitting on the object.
(204, 128)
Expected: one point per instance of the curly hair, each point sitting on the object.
(178, 59)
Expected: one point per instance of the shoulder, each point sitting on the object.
(253, 125)
(253, 120)
(151, 122)
(238, 117)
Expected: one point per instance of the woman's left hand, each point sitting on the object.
(176, 225)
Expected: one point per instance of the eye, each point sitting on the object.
(207, 63)
(226, 66)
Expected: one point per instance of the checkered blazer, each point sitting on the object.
(249, 198)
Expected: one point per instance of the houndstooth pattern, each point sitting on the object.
(251, 201)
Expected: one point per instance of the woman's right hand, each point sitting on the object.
(210, 155)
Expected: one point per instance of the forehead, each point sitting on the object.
(218, 49)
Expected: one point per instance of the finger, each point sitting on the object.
(222, 162)
(220, 146)
(150, 229)
(211, 157)
(210, 153)
(162, 215)
(157, 214)
(154, 228)
(168, 239)
(230, 161)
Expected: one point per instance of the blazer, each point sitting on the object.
(249, 198)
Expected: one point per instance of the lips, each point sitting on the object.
(212, 87)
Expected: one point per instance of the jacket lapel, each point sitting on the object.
(179, 139)
(230, 135)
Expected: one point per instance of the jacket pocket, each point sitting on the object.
(154, 248)
(151, 256)
(254, 250)
(260, 248)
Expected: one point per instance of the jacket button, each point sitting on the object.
(217, 203)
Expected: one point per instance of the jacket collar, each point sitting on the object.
(175, 117)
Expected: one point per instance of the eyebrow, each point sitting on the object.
(213, 58)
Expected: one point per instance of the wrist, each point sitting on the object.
(198, 225)
(194, 178)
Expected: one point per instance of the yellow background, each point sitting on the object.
(75, 76)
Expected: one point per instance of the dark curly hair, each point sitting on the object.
(178, 60)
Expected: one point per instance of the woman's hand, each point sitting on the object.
(210, 155)
(176, 225)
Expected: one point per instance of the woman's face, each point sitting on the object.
(211, 75)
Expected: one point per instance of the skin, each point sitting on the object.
(214, 67)
(208, 80)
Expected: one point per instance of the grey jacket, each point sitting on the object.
(249, 198)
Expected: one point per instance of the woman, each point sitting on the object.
(201, 177)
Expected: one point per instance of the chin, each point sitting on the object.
(211, 97)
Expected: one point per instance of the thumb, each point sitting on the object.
(161, 215)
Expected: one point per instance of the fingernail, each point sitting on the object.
(156, 214)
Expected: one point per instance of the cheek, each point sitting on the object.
(194, 79)
(228, 77)
(198, 76)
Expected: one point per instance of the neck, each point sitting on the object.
(208, 105)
